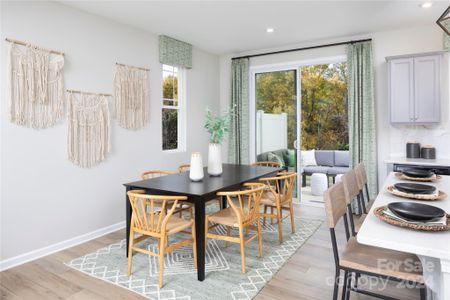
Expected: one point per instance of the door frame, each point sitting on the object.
(286, 66)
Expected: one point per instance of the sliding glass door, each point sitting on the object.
(300, 107)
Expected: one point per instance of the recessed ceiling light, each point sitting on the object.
(270, 30)
(426, 5)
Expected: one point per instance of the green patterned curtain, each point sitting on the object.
(238, 152)
(174, 52)
(361, 111)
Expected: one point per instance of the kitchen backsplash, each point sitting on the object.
(438, 136)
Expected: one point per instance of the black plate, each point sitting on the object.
(415, 188)
(416, 211)
(418, 173)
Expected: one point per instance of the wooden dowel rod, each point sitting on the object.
(139, 68)
(25, 44)
(88, 93)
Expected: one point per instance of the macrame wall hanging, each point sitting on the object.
(131, 96)
(35, 85)
(89, 128)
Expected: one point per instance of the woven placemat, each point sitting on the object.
(442, 195)
(435, 177)
(379, 212)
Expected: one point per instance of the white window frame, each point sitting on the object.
(181, 108)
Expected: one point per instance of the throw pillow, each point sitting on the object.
(289, 158)
(273, 157)
(308, 158)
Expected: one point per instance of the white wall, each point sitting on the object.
(45, 199)
(390, 139)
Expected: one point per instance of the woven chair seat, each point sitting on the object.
(225, 217)
(268, 198)
(174, 225)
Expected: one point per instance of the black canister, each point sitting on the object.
(428, 152)
(412, 150)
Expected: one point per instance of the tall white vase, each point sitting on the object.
(196, 169)
(215, 159)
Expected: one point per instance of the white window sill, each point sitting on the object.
(174, 151)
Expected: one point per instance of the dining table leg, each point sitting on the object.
(128, 218)
(200, 236)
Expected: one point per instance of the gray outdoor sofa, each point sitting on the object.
(329, 162)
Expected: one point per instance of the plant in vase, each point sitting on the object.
(217, 126)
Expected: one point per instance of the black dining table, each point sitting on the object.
(198, 193)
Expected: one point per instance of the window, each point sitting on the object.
(173, 108)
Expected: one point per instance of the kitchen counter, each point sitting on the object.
(418, 161)
(433, 248)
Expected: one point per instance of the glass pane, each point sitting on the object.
(169, 129)
(170, 85)
(324, 107)
(324, 118)
(276, 106)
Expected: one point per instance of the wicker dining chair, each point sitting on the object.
(151, 222)
(184, 168)
(242, 213)
(155, 173)
(158, 173)
(274, 164)
(278, 197)
(357, 259)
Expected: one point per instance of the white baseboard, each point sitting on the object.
(38, 253)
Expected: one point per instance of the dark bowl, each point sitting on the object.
(418, 173)
(416, 211)
(415, 188)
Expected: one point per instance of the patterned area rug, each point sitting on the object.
(224, 279)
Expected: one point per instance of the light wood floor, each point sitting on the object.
(305, 276)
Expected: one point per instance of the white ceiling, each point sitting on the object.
(223, 27)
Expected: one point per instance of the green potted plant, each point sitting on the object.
(217, 126)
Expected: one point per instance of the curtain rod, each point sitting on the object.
(88, 93)
(303, 48)
(133, 67)
(26, 44)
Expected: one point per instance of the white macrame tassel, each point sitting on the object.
(131, 97)
(88, 129)
(35, 87)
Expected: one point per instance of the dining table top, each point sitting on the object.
(179, 183)
(375, 232)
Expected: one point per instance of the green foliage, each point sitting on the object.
(217, 125)
(324, 120)
(170, 87)
(170, 116)
(324, 107)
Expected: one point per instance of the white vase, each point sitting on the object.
(215, 159)
(196, 169)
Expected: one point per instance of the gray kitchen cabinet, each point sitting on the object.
(414, 88)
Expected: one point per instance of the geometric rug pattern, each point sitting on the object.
(224, 279)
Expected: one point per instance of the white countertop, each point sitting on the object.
(432, 248)
(375, 232)
(418, 161)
